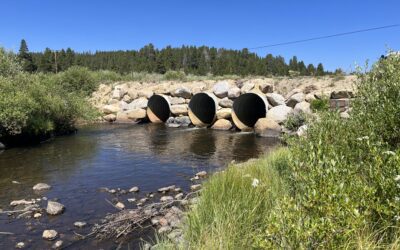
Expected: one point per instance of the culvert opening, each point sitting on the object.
(247, 109)
(158, 109)
(202, 109)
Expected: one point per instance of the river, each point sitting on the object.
(149, 156)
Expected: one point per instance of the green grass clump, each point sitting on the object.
(321, 104)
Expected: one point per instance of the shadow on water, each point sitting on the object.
(116, 156)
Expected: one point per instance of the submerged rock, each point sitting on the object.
(166, 189)
(22, 202)
(80, 224)
(54, 208)
(49, 234)
(20, 245)
(58, 244)
(134, 190)
(41, 187)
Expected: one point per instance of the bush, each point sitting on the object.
(175, 75)
(9, 65)
(321, 104)
(295, 121)
(78, 79)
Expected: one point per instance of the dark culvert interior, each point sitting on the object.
(160, 107)
(249, 108)
(203, 107)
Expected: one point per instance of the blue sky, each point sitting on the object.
(90, 25)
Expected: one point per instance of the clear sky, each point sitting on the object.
(90, 25)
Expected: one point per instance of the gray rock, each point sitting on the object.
(182, 92)
(222, 124)
(166, 189)
(302, 130)
(221, 89)
(279, 113)
(20, 245)
(49, 234)
(134, 190)
(226, 103)
(22, 202)
(247, 87)
(140, 103)
(302, 107)
(275, 99)
(58, 244)
(234, 92)
(183, 121)
(179, 196)
(54, 208)
(164, 229)
(2, 146)
(41, 187)
(195, 187)
(110, 117)
(224, 113)
(202, 174)
(177, 100)
(80, 224)
(181, 109)
(294, 99)
(146, 93)
(120, 205)
(166, 198)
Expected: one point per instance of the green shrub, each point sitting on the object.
(321, 104)
(175, 75)
(78, 79)
(295, 121)
(9, 65)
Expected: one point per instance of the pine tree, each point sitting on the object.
(310, 70)
(320, 70)
(26, 58)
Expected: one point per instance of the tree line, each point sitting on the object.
(201, 60)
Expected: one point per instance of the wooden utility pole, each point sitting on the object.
(55, 60)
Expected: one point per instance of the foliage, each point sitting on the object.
(78, 79)
(295, 121)
(320, 104)
(9, 65)
(26, 58)
(175, 75)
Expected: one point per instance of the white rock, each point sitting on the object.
(145, 93)
(225, 102)
(80, 224)
(166, 198)
(294, 99)
(234, 92)
(49, 234)
(177, 100)
(222, 124)
(164, 229)
(20, 245)
(181, 109)
(195, 187)
(131, 200)
(182, 92)
(302, 107)
(166, 189)
(302, 130)
(310, 97)
(179, 196)
(134, 189)
(22, 202)
(221, 89)
(41, 187)
(275, 99)
(58, 244)
(132, 93)
(137, 113)
(266, 127)
(54, 208)
(140, 103)
(201, 174)
(120, 205)
(37, 215)
(279, 113)
(247, 87)
(110, 109)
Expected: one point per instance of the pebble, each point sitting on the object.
(178, 189)
(54, 208)
(49, 234)
(37, 215)
(195, 187)
(20, 245)
(134, 189)
(120, 205)
(143, 200)
(164, 229)
(179, 196)
(16, 182)
(41, 187)
(202, 174)
(166, 198)
(58, 244)
(166, 189)
(112, 191)
(80, 224)
(131, 200)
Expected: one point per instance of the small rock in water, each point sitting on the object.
(143, 200)
(166, 189)
(41, 187)
(202, 174)
(54, 208)
(21, 202)
(49, 234)
(44, 198)
(178, 189)
(16, 182)
(112, 191)
(37, 215)
(164, 229)
(104, 189)
(131, 200)
(179, 196)
(151, 195)
(120, 205)
(195, 187)
(80, 224)
(58, 244)
(166, 198)
(134, 189)
(20, 245)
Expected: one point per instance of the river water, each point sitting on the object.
(149, 156)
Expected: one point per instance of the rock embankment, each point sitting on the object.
(127, 102)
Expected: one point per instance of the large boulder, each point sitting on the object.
(279, 113)
(302, 107)
(292, 92)
(234, 92)
(310, 97)
(221, 89)
(110, 117)
(184, 121)
(136, 114)
(247, 87)
(177, 100)
(180, 109)
(342, 94)
(132, 93)
(266, 127)
(266, 88)
(222, 124)
(224, 113)
(182, 92)
(110, 109)
(147, 93)
(294, 99)
(140, 103)
(275, 99)
(226, 102)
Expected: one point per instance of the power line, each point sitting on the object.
(325, 37)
